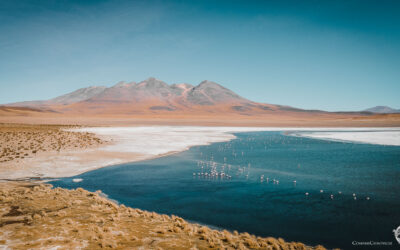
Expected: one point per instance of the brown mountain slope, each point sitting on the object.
(73, 97)
(21, 111)
(155, 102)
(153, 96)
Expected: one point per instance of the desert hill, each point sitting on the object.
(153, 102)
(20, 111)
(383, 110)
(155, 96)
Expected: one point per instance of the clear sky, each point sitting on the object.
(331, 55)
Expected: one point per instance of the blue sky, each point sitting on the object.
(331, 55)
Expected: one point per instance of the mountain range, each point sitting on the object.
(383, 110)
(153, 96)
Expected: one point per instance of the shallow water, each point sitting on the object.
(245, 202)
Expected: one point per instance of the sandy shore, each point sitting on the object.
(379, 137)
(87, 148)
(37, 216)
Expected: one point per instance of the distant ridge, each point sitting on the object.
(153, 96)
(383, 110)
(75, 96)
(79, 95)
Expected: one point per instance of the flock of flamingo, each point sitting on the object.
(209, 169)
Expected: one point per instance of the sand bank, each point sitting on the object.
(389, 138)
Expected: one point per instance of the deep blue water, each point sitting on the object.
(244, 202)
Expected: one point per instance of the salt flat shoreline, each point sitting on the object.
(386, 138)
(132, 144)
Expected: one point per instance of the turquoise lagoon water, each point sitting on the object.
(353, 189)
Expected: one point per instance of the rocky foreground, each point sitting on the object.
(39, 216)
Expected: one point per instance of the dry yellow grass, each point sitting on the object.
(38, 216)
(18, 141)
